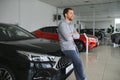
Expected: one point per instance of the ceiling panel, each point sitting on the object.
(71, 3)
(86, 9)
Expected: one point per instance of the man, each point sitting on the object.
(67, 33)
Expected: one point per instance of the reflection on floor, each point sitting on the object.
(102, 63)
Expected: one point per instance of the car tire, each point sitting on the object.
(80, 46)
(6, 73)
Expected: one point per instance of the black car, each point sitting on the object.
(24, 57)
(115, 38)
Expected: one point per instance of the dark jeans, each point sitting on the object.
(77, 63)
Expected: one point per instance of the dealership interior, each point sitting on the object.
(98, 18)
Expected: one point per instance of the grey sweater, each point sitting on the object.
(66, 33)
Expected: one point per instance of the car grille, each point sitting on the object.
(63, 62)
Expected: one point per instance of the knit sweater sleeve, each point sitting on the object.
(76, 35)
(65, 32)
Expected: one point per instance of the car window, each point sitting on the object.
(49, 29)
(16, 32)
(8, 33)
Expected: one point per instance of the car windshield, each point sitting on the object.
(13, 32)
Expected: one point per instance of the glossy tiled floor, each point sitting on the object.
(102, 63)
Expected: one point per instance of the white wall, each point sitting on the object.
(98, 24)
(36, 14)
(30, 14)
(9, 11)
(82, 25)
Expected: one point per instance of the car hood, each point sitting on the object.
(41, 46)
(91, 36)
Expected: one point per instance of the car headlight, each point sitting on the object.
(37, 57)
(45, 61)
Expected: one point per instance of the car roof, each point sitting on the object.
(6, 24)
(49, 27)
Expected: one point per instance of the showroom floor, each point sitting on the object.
(102, 63)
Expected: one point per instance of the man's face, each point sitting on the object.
(70, 15)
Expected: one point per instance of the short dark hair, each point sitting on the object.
(66, 11)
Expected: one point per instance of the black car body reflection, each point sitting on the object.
(23, 57)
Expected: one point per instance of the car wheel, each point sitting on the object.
(80, 46)
(6, 73)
